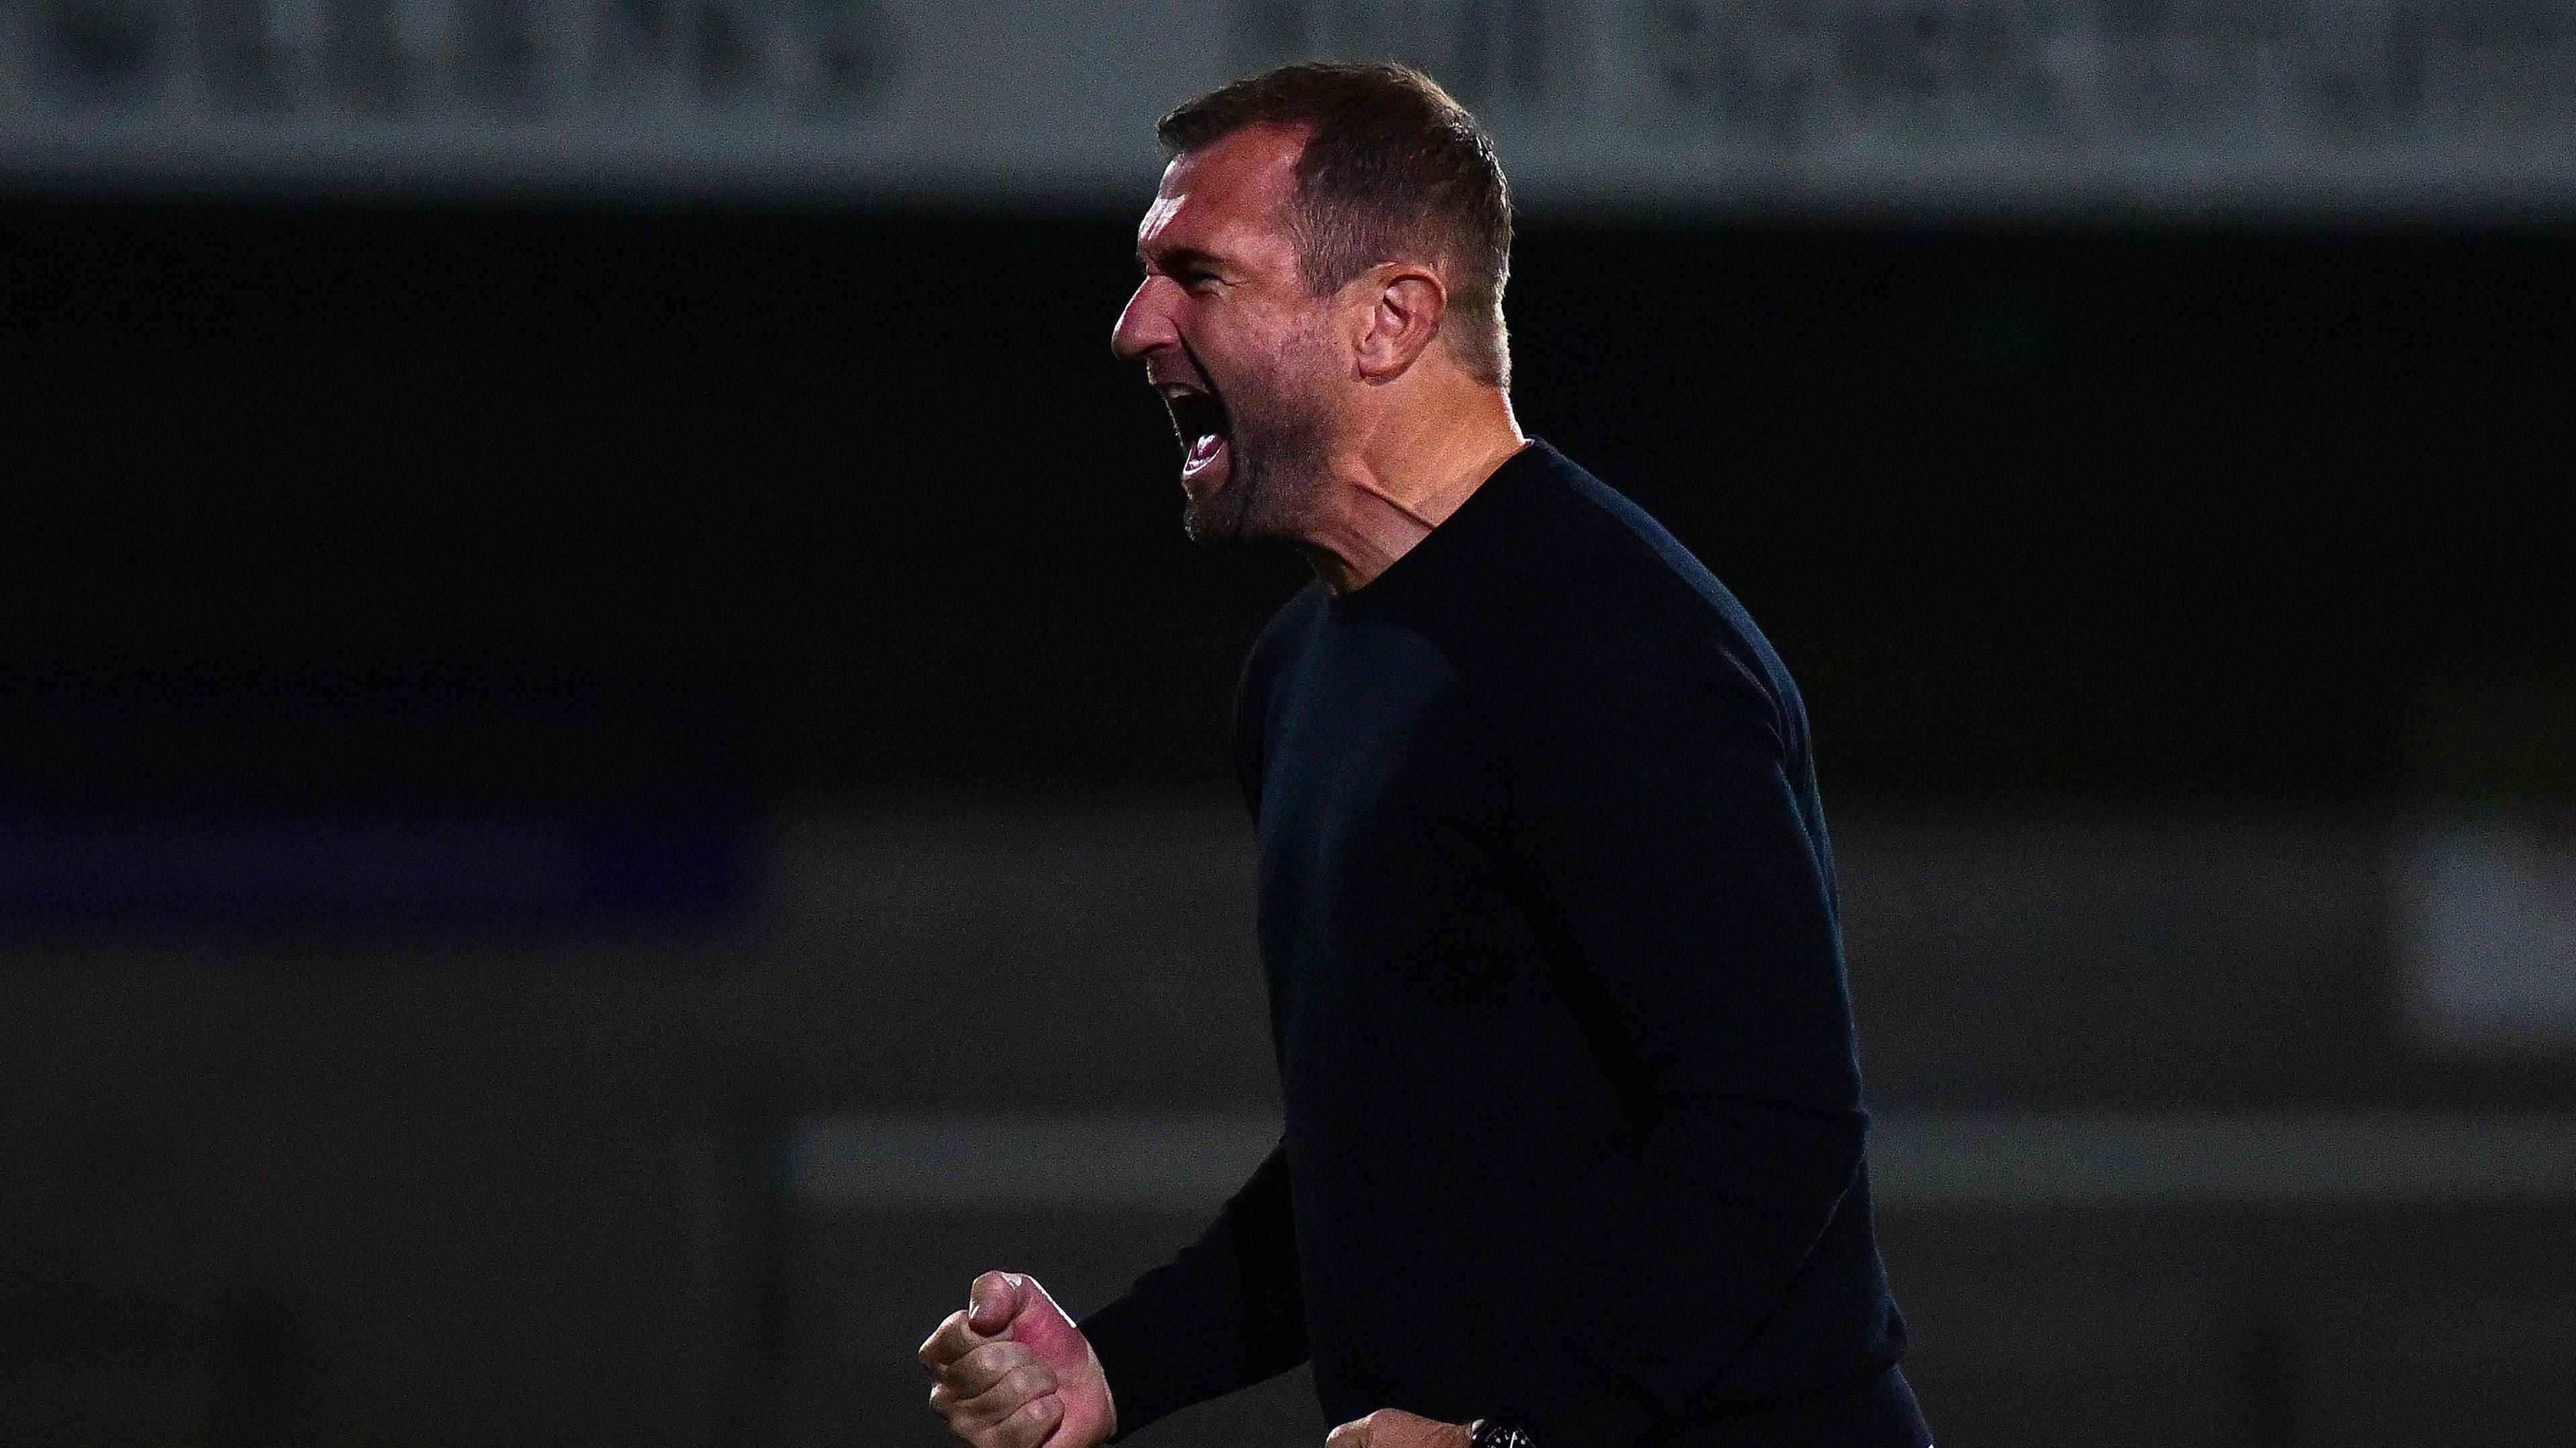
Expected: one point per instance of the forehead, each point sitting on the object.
(1227, 197)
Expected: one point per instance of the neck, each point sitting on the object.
(1401, 478)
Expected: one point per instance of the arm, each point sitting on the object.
(1226, 1313)
(1685, 898)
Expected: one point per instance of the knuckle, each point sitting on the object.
(1022, 1382)
(936, 1348)
(1026, 1426)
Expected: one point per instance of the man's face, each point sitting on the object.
(1241, 353)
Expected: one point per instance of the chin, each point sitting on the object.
(1207, 528)
(1219, 514)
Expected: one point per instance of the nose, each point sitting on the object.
(1146, 324)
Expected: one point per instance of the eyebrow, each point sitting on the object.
(1183, 256)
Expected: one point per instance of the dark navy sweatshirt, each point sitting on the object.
(1573, 1111)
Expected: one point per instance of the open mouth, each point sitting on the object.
(1200, 422)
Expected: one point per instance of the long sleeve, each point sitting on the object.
(1547, 915)
(1658, 834)
(1225, 1313)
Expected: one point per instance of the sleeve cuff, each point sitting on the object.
(1123, 1363)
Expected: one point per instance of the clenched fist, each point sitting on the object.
(1396, 1428)
(1012, 1371)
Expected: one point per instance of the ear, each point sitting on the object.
(1406, 302)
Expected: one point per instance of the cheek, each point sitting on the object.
(1291, 353)
(1219, 332)
(1243, 328)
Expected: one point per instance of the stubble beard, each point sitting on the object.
(1279, 437)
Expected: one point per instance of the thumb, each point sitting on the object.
(1042, 1326)
(993, 1301)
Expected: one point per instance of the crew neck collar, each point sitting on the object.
(1423, 557)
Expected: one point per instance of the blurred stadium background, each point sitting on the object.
(611, 766)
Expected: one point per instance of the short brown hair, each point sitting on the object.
(1392, 169)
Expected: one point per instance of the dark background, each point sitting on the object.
(2142, 582)
(2035, 512)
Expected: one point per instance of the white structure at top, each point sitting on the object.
(2237, 106)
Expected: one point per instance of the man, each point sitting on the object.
(1574, 1142)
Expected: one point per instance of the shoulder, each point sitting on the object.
(1277, 644)
(1282, 637)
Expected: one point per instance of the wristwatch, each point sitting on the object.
(1486, 1433)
